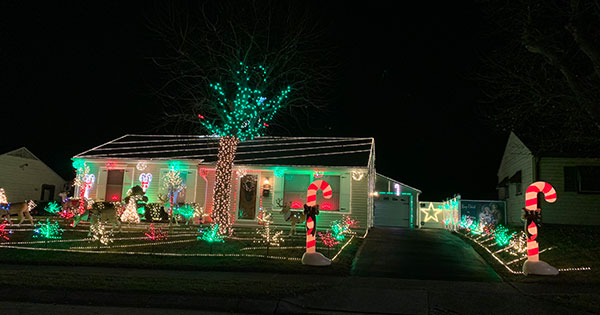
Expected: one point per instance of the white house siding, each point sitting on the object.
(570, 207)
(517, 157)
(354, 194)
(24, 182)
(131, 177)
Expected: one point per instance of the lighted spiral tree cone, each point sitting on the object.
(534, 265)
(311, 209)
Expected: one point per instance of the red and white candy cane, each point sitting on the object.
(531, 205)
(311, 193)
(311, 201)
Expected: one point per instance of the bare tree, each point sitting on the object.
(542, 77)
(234, 66)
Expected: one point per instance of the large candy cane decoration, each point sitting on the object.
(532, 192)
(311, 193)
(311, 201)
(531, 205)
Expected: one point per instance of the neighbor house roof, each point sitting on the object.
(318, 151)
(565, 147)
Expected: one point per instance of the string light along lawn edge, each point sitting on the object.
(505, 264)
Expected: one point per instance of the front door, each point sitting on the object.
(247, 200)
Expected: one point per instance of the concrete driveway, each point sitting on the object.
(428, 254)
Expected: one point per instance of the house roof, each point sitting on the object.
(318, 151)
(567, 147)
(24, 153)
(399, 182)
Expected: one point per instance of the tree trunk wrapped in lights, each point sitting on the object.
(222, 190)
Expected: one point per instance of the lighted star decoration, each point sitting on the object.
(431, 213)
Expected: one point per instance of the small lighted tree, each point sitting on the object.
(518, 245)
(268, 237)
(53, 207)
(154, 234)
(3, 199)
(502, 235)
(173, 183)
(100, 234)
(130, 214)
(48, 230)
(186, 211)
(343, 226)
(328, 240)
(211, 235)
(4, 232)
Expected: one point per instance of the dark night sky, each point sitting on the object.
(75, 75)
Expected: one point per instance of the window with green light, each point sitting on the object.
(296, 185)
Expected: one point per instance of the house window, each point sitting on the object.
(582, 179)
(516, 179)
(295, 186)
(114, 185)
(589, 179)
(294, 189)
(503, 189)
(570, 178)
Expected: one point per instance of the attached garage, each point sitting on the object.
(392, 211)
(396, 204)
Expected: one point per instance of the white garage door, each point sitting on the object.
(392, 211)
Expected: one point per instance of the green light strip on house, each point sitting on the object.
(411, 207)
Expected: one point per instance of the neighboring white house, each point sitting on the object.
(576, 180)
(25, 177)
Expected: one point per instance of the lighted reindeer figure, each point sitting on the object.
(291, 216)
(20, 208)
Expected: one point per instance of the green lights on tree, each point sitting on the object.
(48, 230)
(246, 114)
(211, 234)
(53, 207)
(502, 235)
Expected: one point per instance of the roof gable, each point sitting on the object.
(514, 147)
(22, 153)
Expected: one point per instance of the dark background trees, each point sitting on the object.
(541, 74)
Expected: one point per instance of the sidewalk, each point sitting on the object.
(343, 295)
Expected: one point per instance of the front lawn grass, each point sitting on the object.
(147, 254)
(572, 246)
(151, 256)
